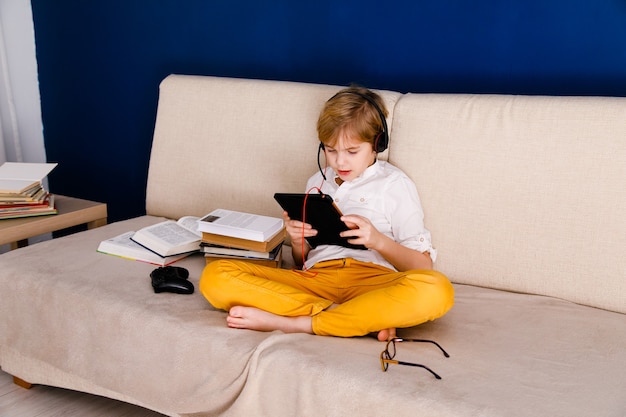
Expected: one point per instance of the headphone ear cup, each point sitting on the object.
(381, 142)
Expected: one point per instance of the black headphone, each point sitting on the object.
(382, 140)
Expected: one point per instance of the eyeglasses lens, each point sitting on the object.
(386, 355)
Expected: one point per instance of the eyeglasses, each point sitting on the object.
(387, 355)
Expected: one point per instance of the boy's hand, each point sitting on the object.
(297, 230)
(401, 257)
(362, 231)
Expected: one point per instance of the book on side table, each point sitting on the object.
(22, 193)
(19, 178)
(25, 209)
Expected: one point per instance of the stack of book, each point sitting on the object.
(221, 234)
(22, 193)
(228, 234)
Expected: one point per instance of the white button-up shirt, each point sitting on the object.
(388, 198)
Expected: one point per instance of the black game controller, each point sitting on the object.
(171, 279)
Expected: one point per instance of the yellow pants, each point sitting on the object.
(369, 297)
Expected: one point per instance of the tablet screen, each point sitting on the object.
(321, 213)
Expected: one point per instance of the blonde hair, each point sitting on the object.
(350, 113)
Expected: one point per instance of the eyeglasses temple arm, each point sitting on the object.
(399, 339)
(419, 366)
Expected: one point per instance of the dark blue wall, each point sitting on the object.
(100, 62)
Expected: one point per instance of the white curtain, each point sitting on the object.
(8, 119)
(21, 130)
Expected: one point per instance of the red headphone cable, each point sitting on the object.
(306, 196)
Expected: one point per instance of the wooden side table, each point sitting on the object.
(71, 212)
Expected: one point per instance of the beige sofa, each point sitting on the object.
(526, 201)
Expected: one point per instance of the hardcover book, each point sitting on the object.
(274, 263)
(253, 245)
(240, 225)
(217, 250)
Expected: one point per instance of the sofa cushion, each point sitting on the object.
(232, 143)
(84, 320)
(522, 193)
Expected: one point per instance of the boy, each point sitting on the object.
(343, 291)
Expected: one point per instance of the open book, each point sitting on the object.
(124, 247)
(171, 237)
(19, 177)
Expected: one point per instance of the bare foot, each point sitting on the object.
(386, 334)
(255, 319)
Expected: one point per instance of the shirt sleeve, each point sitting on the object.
(404, 209)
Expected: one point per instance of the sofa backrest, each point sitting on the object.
(522, 193)
(232, 143)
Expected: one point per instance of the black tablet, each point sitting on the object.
(321, 213)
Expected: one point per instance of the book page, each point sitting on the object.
(124, 240)
(172, 233)
(242, 221)
(17, 177)
(15, 186)
(28, 171)
(190, 223)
